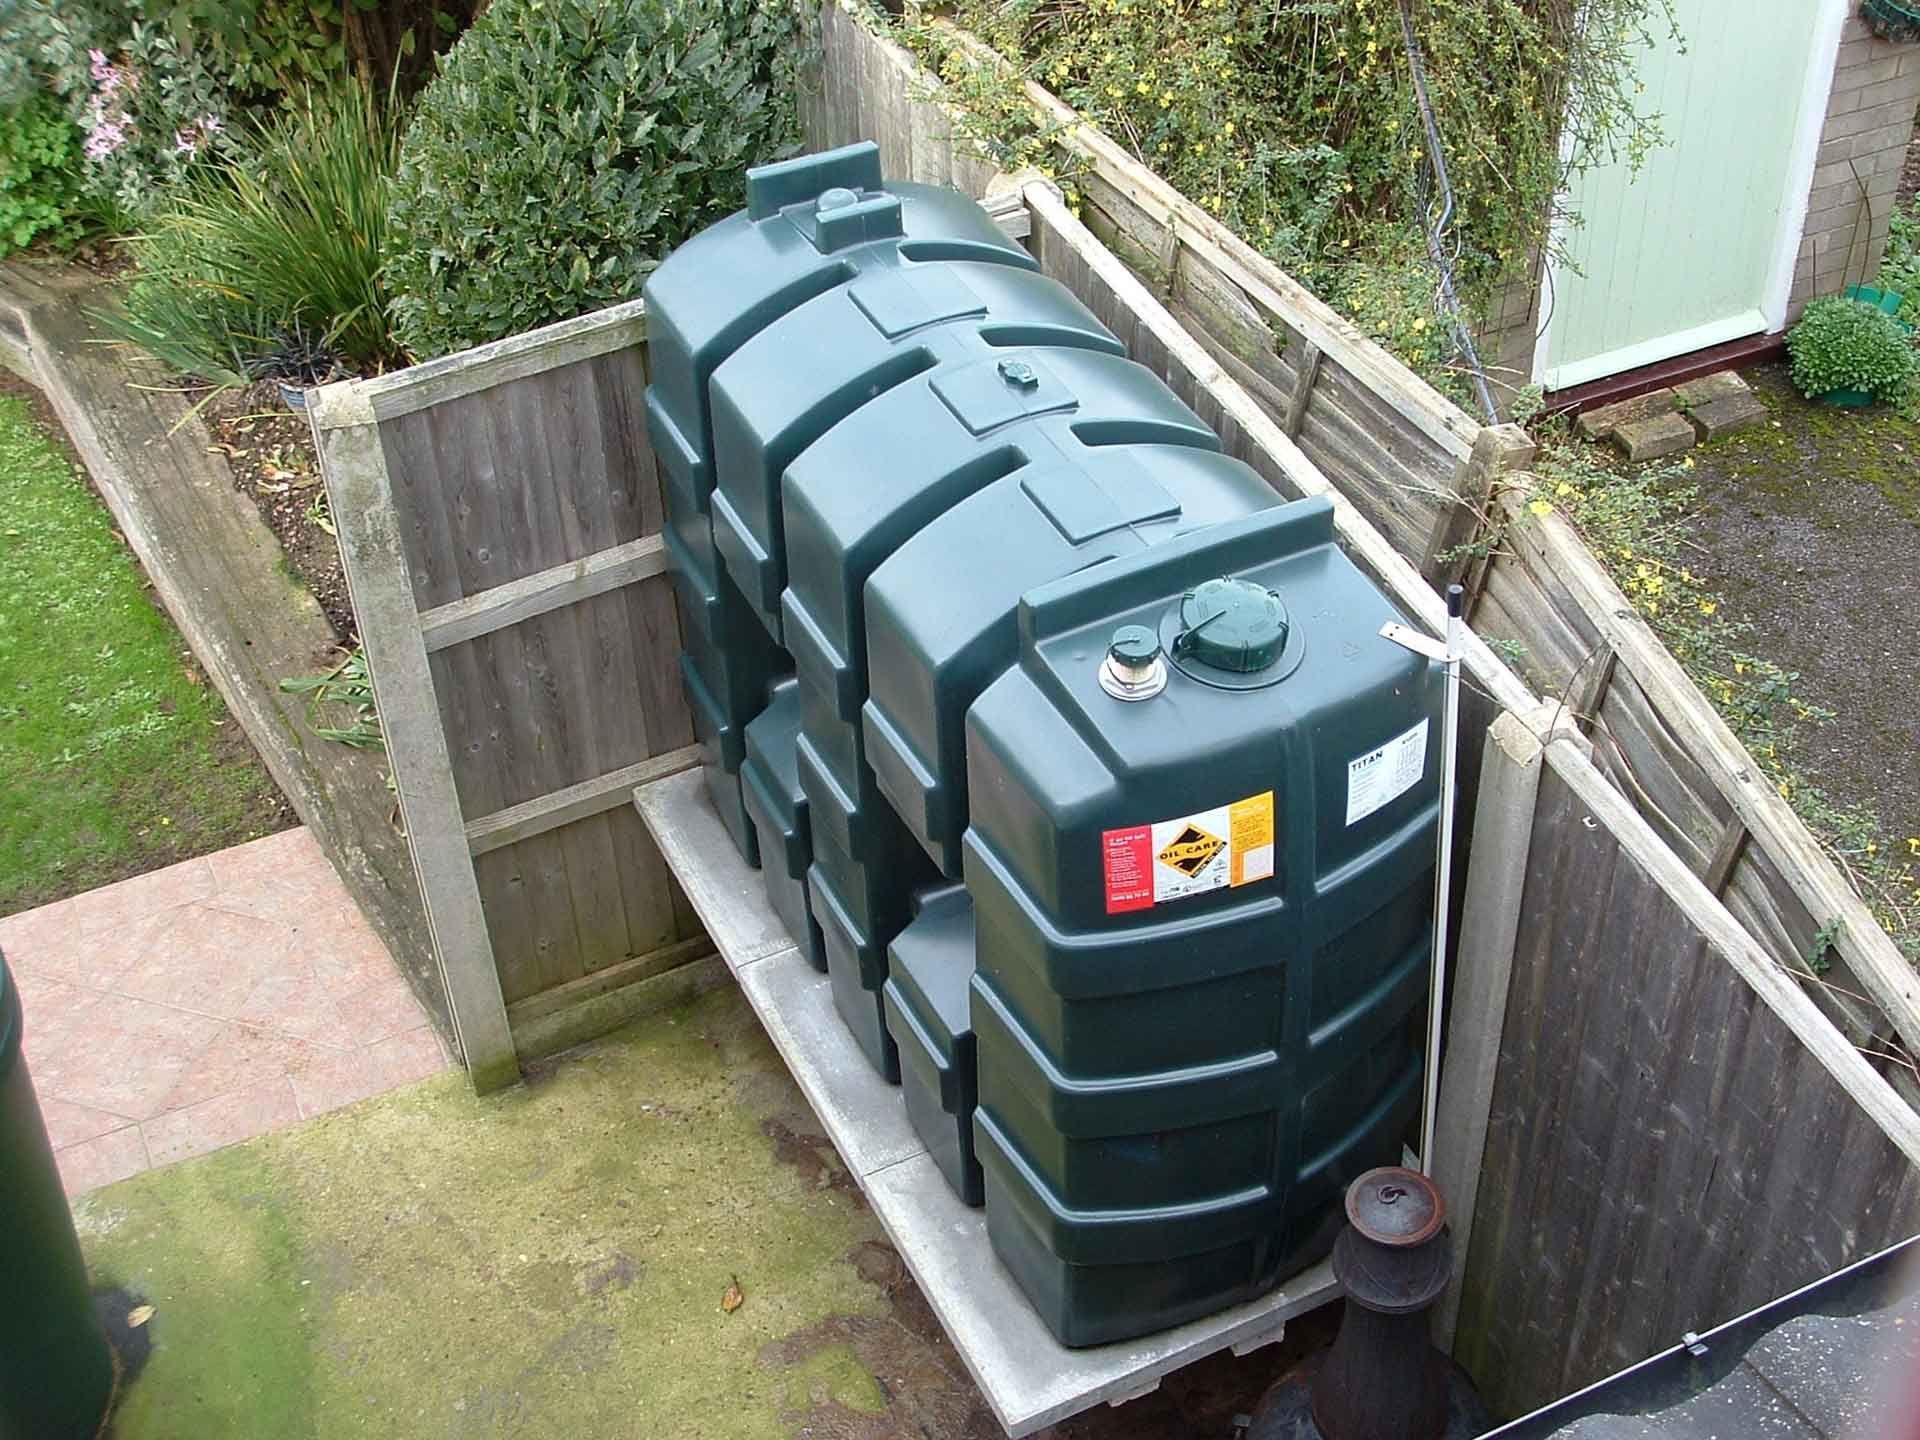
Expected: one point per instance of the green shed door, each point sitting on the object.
(1697, 248)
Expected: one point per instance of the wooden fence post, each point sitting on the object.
(1503, 826)
(1497, 450)
(361, 494)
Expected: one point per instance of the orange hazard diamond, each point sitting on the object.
(1190, 850)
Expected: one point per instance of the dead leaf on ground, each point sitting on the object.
(139, 1315)
(734, 1298)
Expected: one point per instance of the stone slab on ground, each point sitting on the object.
(1707, 389)
(1720, 404)
(553, 1261)
(1726, 417)
(1601, 422)
(1658, 435)
(205, 1003)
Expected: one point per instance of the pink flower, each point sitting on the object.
(210, 124)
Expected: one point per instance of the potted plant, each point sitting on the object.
(1849, 354)
(1892, 19)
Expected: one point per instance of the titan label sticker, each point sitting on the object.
(1382, 776)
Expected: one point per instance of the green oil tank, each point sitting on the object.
(928, 1003)
(811, 224)
(1202, 820)
(777, 806)
(1023, 413)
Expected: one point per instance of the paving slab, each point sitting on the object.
(1654, 437)
(1709, 389)
(202, 1004)
(1727, 416)
(1600, 422)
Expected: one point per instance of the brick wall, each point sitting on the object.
(1870, 120)
(1863, 148)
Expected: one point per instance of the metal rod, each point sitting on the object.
(1443, 877)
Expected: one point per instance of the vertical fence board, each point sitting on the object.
(371, 547)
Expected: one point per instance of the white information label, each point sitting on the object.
(1382, 776)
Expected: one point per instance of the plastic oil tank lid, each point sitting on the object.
(1232, 625)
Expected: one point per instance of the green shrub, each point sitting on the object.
(269, 262)
(1900, 267)
(39, 176)
(567, 145)
(1841, 344)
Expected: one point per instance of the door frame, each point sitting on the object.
(1823, 59)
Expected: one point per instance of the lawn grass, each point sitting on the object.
(115, 755)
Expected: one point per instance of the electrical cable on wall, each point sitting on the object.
(1436, 230)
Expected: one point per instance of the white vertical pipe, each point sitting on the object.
(1443, 876)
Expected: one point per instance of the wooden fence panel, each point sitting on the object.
(1672, 1139)
(531, 639)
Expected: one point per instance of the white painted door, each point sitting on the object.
(1697, 248)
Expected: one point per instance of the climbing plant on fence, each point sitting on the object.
(1296, 123)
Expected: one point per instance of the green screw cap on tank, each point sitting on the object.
(1232, 625)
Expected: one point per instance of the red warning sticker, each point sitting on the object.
(1128, 857)
(1229, 845)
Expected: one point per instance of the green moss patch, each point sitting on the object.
(550, 1262)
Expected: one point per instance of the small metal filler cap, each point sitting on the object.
(1133, 669)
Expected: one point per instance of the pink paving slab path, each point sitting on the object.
(206, 1003)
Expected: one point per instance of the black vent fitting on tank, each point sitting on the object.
(1383, 1380)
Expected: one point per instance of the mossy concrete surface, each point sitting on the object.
(556, 1262)
(550, 1262)
(1809, 525)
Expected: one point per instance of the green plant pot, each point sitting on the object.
(1887, 302)
(1846, 399)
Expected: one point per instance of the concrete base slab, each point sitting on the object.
(1028, 1378)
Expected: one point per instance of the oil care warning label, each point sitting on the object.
(1148, 865)
(1382, 776)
